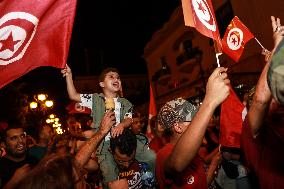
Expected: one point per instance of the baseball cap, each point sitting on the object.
(177, 110)
(275, 74)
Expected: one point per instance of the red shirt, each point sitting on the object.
(156, 144)
(265, 154)
(192, 177)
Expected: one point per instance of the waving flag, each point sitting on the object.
(33, 33)
(200, 14)
(233, 113)
(235, 39)
(152, 104)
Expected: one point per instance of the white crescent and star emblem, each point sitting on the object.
(235, 38)
(79, 108)
(204, 14)
(190, 179)
(14, 39)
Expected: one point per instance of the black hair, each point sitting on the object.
(126, 142)
(105, 71)
(12, 124)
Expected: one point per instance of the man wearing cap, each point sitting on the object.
(263, 132)
(178, 164)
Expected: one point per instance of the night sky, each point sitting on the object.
(105, 34)
(114, 33)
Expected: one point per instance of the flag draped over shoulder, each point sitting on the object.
(200, 15)
(152, 104)
(76, 108)
(235, 39)
(33, 33)
(233, 113)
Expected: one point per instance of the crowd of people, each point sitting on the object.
(116, 148)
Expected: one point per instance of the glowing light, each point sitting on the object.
(33, 105)
(59, 130)
(41, 97)
(49, 103)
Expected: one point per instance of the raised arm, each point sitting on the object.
(90, 146)
(73, 94)
(186, 148)
(262, 97)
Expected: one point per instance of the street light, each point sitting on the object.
(41, 97)
(33, 105)
(41, 102)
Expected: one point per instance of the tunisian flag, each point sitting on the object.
(233, 113)
(152, 104)
(76, 108)
(33, 33)
(200, 15)
(235, 39)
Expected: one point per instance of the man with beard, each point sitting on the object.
(16, 163)
(123, 149)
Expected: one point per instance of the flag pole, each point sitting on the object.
(217, 57)
(218, 51)
(259, 43)
(265, 52)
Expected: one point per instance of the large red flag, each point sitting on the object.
(200, 14)
(232, 115)
(235, 39)
(33, 33)
(152, 104)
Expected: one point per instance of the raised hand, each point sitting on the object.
(278, 30)
(217, 89)
(66, 71)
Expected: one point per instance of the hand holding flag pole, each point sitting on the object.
(265, 52)
(276, 26)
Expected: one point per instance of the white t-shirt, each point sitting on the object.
(87, 101)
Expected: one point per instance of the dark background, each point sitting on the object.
(105, 34)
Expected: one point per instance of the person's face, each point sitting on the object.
(46, 133)
(123, 161)
(16, 142)
(160, 129)
(136, 125)
(183, 125)
(111, 82)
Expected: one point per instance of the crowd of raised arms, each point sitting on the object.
(116, 147)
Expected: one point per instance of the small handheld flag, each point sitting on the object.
(235, 39)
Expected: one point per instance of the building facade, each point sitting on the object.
(180, 59)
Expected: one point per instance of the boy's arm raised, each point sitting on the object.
(72, 92)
